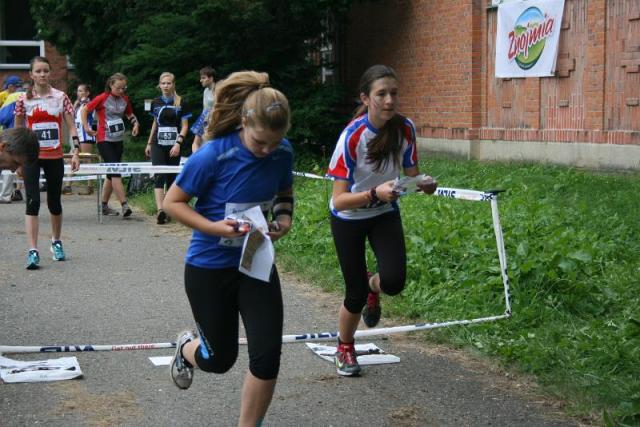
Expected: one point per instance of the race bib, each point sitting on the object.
(48, 134)
(115, 128)
(232, 209)
(167, 135)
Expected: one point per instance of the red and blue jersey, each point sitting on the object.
(349, 163)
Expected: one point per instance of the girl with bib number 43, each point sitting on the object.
(111, 107)
(170, 126)
(43, 110)
(248, 163)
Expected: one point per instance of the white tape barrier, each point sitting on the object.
(286, 339)
(453, 193)
(147, 168)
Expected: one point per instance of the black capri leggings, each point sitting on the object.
(111, 152)
(53, 173)
(386, 238)
(160, 156)
(216, 297)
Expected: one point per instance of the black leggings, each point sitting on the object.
(216, 297)
(53, 173)
(160, 156)
(111, 152)
(387, 241)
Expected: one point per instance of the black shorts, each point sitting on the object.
(216, 297)
(111, 152)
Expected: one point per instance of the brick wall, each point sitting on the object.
(443, 52)
(60, 74)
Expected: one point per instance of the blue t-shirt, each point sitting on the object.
(227, 178)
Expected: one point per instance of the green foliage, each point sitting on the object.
(573, 256)
(144, 38)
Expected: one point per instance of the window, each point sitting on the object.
(18, 41)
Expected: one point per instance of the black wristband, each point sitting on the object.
(283, 205)
(373, 195)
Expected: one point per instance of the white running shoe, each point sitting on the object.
(181, 372)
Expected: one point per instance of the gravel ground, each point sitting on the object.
(122, 283)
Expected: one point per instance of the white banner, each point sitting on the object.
(527, 38)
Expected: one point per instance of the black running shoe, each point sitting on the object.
(162, 217)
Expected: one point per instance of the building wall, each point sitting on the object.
(60, 72)
(444, 54)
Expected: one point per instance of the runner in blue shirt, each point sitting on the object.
(248, 163)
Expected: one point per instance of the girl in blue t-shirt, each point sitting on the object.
(248, 163)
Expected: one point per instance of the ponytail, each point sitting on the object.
(247, 94)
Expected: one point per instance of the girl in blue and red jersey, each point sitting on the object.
(248, 163)
(44, 109)
(372, 150)
(110, 107)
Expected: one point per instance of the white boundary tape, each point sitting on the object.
(455, 193)
(286, 339)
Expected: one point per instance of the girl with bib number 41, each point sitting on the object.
(372, 150)
(111, 107)
(43, 109)
(248, 163)
(170, 126)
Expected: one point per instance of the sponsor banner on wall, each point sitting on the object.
(527, 38)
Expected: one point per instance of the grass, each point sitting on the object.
(573, 251)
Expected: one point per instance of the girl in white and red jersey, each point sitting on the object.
(43, 109)
(371, 152)
(110, 107)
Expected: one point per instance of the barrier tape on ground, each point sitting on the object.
(286, 339)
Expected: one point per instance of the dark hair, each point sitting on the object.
(386, 145)
(86, 86)
(208, 71)
(31, 63)
(21, 142)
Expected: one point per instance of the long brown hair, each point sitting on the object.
(247, 94)
(386, 145)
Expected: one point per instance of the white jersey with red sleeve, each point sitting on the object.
(349, 163)
(44, 115)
